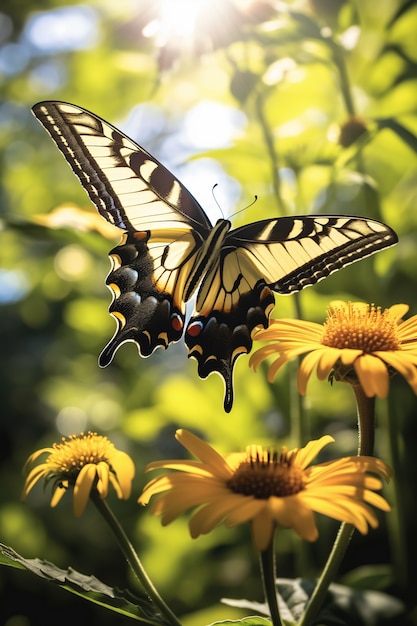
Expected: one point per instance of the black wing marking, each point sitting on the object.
(129, 187)
(285, 255)
(147, 281)
(290, 253)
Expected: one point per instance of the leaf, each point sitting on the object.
(86, 586)
(253, 620)
(410, 4)
(342, 605)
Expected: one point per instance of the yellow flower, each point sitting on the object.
(85, 462)
(357, 339)
(266, 488)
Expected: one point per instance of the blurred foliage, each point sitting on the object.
(311, 107)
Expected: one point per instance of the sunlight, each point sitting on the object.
(180, 17)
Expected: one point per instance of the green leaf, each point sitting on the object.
(87, 587)
(253, 620)
(342, 606)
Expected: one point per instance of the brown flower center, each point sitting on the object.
(369, 329)
(264, 474)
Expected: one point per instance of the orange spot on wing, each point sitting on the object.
(141, 235)
(195, 329)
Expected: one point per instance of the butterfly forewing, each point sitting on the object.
(290, 253)
(129, 187)
(169, 249)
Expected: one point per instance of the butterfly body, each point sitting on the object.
(170, 252)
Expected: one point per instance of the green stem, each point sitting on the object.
(268, 572)
(339, 59)
(396, 519)
(366, 427)
(133, 559)
(270, 146)
(366, 421)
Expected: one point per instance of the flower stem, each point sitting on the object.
(366, 429)
(133, 559)
(270, 146)
(366, 421)
(268, 572)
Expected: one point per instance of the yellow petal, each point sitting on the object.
(125, 471)
(397, 311)
(290, 512)
(373, 375)
(32, 478)
(306, 368)
(263, 527)
(326, 362)
(82, 487)
(192, 467)
(348, 355)
(36, 455)
(211, 515)
(403, 364)
(115, 484)
(102, 470)
(204, 452)
(304, 456)
(58, 493)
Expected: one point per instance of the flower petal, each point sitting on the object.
(397, 311)
(32, 478)
(373, 375)
(204, 452)
(212, 514)
(58, 493)
(263, 526)
(306, 368)
(124, 467)
(102, 470)
(82, 487)
(290, 512)
(403, 364)
(304, 456)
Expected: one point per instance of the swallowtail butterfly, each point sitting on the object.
(170, 251)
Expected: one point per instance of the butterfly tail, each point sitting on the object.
(218, 339)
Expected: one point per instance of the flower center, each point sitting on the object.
(361, 328)
(266, 473)
(75, 451)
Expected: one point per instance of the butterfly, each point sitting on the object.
(170, 251)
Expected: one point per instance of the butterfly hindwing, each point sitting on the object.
(170, 251)
(147, 281)
(284, 255)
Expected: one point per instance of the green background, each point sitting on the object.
(252, 100)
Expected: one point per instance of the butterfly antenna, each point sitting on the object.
(215, 199)
(245, 208)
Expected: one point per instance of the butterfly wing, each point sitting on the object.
(129, 187)
(162, 249)
(164, 225)
(284, 255)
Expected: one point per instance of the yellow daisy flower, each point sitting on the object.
(266, 488)
(357, 340)
(85, 462)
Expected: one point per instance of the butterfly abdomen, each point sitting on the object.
(209, 255)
